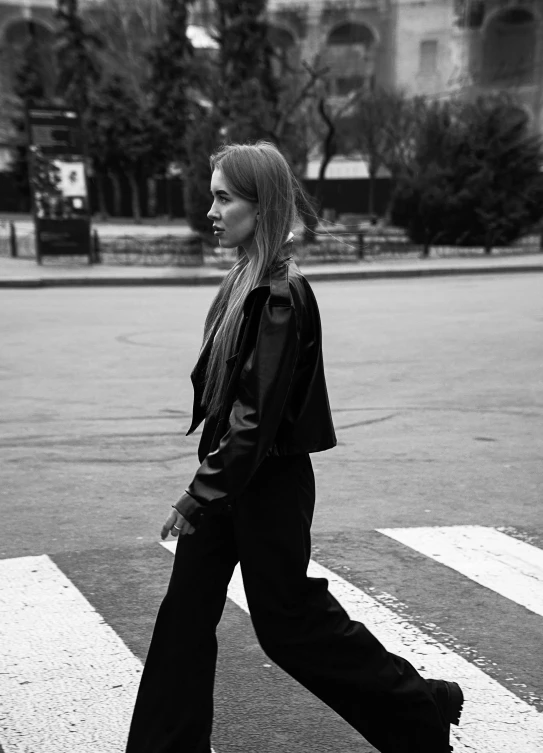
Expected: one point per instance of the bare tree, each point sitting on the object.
(381, 126)
(323, 116)
(301, 87)
(128, 29)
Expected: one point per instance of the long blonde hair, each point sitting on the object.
(258, 173)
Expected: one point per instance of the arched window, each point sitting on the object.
(20, 33)
(509, 49)
(349, 34)
(350, 58)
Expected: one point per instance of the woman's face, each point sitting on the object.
(234, 218)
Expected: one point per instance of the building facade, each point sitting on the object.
(431, 47)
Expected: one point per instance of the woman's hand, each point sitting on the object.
(177, 525)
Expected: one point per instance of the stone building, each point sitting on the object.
(433, 47)
(499, 45)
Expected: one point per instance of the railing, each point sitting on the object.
(331, 243)
(363, 241)
(164, 250)
(16, 244)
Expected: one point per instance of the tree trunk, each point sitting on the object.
(371, 193)
(394, 179)
(134, 197)
(329, 149)
(101, 190)
(426, 246)
(151, 197)
(328, 153)
(169, 210)
(117, 197)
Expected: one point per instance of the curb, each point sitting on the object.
(21, 283)
(87, 282)
(216, 279)
(380, 274)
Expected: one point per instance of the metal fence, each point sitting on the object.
(330, 244)
(381, 243)
(15, 243)
(163, 251)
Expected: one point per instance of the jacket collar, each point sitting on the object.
(272, 273)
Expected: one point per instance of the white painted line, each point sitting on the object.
(67, 681)
(494, 719)
(506, 565)
(236, 592)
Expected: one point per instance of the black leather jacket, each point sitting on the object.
(276, 400)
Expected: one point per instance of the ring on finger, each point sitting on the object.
(177, 528)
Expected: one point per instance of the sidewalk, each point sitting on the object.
(25, 273)
(111, 228)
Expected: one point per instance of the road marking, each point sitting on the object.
(494, 719)
(506, 565)
(67, 681)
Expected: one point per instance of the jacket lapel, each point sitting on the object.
(235, 362)
(197, 378)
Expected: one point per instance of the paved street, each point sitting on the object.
(436, 484)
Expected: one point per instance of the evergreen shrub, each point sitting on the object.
(475, 177)
(202, 138)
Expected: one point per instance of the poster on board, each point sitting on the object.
(58, 183)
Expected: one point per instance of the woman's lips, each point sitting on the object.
(218, 230)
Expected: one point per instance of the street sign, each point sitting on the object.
(58, 183)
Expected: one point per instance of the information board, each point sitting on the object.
(58, 183)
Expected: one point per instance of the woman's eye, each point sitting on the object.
(223, 199)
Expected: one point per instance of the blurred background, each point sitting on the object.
(390, 111)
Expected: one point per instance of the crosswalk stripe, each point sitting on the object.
(510, 567)
(67, 681)
(494, 719)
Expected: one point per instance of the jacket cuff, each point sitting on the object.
(190, 509)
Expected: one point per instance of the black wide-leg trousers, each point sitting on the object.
(299, 624)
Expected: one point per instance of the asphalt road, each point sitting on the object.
(437, 396)
(435, 388)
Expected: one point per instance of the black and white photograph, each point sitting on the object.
(271, 376)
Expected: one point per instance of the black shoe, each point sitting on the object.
(450, 699)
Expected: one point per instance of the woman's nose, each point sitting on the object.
(212, 214)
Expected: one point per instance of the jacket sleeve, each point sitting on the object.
(262, 391)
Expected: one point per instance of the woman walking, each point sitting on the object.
(259, 386)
